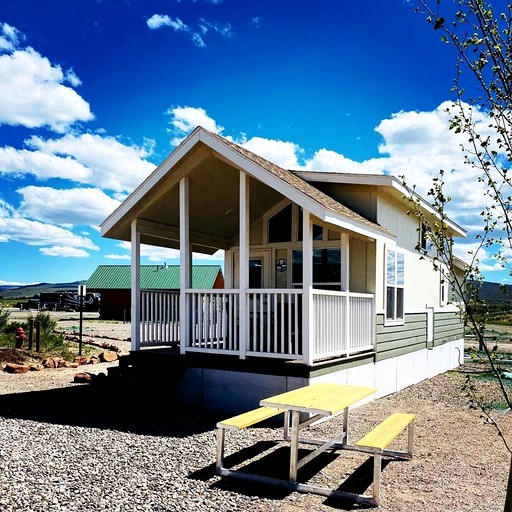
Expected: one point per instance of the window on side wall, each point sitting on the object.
(444, 291)
(425, 243)
(394, 301)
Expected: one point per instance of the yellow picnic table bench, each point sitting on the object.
(316, 402)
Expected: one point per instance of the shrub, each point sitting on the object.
(4, 317)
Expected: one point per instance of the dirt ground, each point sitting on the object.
(460, 459)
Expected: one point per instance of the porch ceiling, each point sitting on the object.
(213, 206)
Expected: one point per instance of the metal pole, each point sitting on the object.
(81, 320)
(31, 334)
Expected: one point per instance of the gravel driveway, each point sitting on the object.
(88, 447)
(70, 447)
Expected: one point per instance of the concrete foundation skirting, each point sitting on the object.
(397, 373)
(233, 392)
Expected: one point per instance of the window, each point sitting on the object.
(394, 286)
(318, 231)
(255, 273)
(444, 294)
(425, 243)
(280, 226)
(326, 268)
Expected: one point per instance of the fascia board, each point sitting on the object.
(386, 180)
(374, 234)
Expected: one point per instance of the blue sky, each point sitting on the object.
(95, 94)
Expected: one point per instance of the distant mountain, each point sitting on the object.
(493, 292)
(28, 291)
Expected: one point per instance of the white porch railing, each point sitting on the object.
(275, 323)
(159, 318)
(213, 321)
(343, 323)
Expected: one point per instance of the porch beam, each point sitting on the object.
(308, 332)
(135, 286)
(165, 231)
(243, 270)
(185, 263)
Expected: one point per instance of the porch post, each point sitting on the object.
(185, 264)
(308, 332)
(243, 270)
(345, 287)
(135, 288)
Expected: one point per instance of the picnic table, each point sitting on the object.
(305, 406)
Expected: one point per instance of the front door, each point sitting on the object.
(259, 275)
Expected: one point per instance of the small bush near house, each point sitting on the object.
(4, 317)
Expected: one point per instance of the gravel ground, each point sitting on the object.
(71, 447)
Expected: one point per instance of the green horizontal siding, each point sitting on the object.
(152, 277)
(448, 326)
(397, 340)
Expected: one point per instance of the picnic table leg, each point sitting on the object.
(345, 425)
(377, 468)
(220, 449)
(410, 440)
(286, 428)
(294, 445)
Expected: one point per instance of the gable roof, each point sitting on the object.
(396, 187)
(303, 186)
(284, 182)
(152, 277)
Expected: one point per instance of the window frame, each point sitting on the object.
(395, 287)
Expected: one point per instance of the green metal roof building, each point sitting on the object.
(113, 282)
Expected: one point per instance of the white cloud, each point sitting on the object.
(162, 20)
(42, 165)
(223, 30)
(13, 283)
(198, 40)
(9, 37)
(160, 254)
(158, 21)
(15, 228)
(67, 207)
(118, 256)
(186, 119)
(330, 161)
(32, 93)
(282, 153)
(110, 164)
(153, 253)
(64, 252)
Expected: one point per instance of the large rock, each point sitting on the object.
(80, 360)
(83, 378)
(16, 368)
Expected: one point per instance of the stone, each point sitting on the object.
(83, 378)
(94, 360)
(16, 368)
(36, 367)
(80, 360)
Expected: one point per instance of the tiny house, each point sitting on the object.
(323, 280)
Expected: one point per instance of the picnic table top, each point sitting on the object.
(320, 398)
